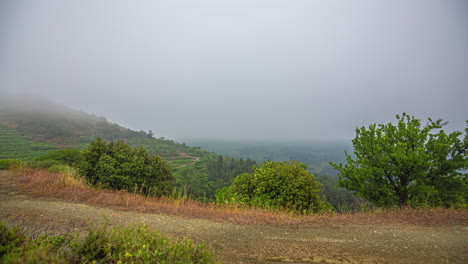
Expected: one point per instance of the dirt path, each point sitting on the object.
(324, 243)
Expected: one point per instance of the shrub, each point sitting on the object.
(119, 166)
(276, 185)
(9, 239)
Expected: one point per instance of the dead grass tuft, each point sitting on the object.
(65, 186)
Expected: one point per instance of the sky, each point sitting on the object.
(241, 69)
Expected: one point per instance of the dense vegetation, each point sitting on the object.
(136, 244)
(209, 174)
(119, 166)
(408, 164)
(276, 185)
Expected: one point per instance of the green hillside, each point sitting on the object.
(31, 127)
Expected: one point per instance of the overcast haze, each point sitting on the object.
(243, 69)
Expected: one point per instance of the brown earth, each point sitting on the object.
(317, 243)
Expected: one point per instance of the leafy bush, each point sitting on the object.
(65, 156)
(135, 244)
(119, 166)
(9, 239)
(278, 185)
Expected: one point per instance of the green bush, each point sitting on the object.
(136, 244)
(119, 166)
(276, 185)
(9, 239)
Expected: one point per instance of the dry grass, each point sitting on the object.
(65, 186)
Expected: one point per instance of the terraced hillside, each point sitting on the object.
(15, 146)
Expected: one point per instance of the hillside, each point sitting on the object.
(42, 121)
(31, 127)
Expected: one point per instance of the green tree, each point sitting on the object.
(276, 185)
(408, 164)
(119, 166)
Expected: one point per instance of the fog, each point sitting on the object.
(241, 69)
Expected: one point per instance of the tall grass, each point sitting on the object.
(67, 186)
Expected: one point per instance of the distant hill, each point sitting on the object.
(31, 127)
(40, 120)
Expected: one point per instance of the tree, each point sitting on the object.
(276, 185)
(407, 164)
(119, 166)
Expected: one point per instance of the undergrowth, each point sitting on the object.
(135, 244)
(62, 183)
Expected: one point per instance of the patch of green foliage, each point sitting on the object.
(64, 169)
(276, 185)
(408, 164)
(340, 198)
(10, 238)
(43, 163)
(69, 157)
(209, 174)
(136, 244)
(11, 164)
(119, 166)
(5, 163)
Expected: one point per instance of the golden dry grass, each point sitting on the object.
(66, 186)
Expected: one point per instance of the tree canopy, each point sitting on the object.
(408, 164)
(276, 185)
(119, 166)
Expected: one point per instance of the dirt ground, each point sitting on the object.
(322, 243)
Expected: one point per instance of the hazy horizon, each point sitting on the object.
(241, 70)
